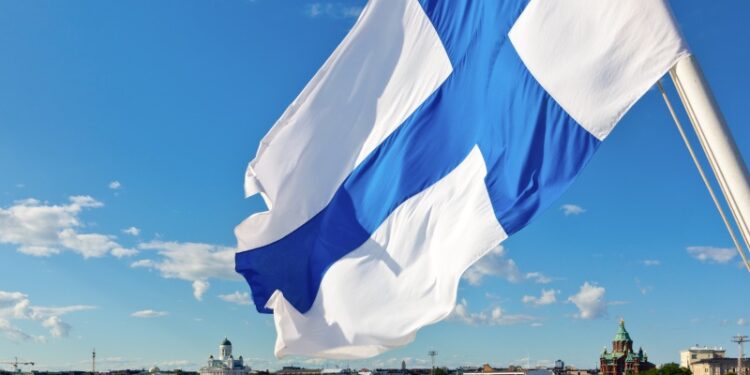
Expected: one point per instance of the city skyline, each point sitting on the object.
(126, 131)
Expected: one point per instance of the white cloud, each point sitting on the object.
(742, 322)
(492, 317)
(38, 251)
(190, 261)
(493, 264)
(590, 301)
(143, 263)
(547, 297)
(199, 288)
(88, 244)
(42, 312)
(133, 231)
(572, 209)
(332, 10)
(120, 252)
(236, 297)
(56, 326)
(10, 298)
(41, 229)
(12, 333)
(538, 278)
(114, 185)
(645, 289)
(149, 314)
(708, 254)
(17, 306)
(651, 262)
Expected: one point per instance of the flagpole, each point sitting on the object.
(716, 140)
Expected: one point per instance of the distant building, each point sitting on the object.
(486, 369)
(697, 353)
(225, 364)
(500, 372)
(559, 368)
(623, 360)
(294, 370)
(719, 366)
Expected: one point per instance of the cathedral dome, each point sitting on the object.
(226, 342)
(622, 333)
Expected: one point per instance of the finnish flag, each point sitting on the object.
(434, 131)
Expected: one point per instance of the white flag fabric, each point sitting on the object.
(435, 130)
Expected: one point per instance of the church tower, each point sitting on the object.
(622, 342)
(225, 349)
(623, 360)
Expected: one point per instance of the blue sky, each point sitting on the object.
(125, 129)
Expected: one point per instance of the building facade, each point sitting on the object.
(719, 366)
(698, 353)
(225, 364)
(623, 359)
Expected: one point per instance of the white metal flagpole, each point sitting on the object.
(697, 162)
(716, 141)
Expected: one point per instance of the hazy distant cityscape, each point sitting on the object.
(620, 359)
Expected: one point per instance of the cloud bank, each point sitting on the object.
(332, 10)
(495, 264)
(709, 254)
(492, 317)
(190, 261)
(18, 306)
(149, 314)
(40, 229)
(547, 297)
(236, 297)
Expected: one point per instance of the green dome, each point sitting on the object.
(226, 342)
(622, 334)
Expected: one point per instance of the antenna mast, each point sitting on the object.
(432, 354)
(740, 340)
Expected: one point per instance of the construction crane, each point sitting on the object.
(15, 364)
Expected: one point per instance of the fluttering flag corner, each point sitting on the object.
(434, 130)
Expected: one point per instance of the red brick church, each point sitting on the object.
(623, 360)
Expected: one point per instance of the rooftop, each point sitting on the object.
(728, 361)
(697, 348)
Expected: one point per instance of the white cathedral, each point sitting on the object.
(225, 364)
